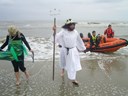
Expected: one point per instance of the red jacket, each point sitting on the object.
(109, 32)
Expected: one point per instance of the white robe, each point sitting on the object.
(70, 62)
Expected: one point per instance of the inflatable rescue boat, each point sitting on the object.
(110, 45)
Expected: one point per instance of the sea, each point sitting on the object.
(102, 74)
(40, 34)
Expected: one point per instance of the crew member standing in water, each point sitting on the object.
(15, 41)
(71, 44)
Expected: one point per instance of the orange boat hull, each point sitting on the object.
(111, 45)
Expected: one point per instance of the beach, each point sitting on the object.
(110, 80)
(101, 74)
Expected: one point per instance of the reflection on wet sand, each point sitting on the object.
(108, 65)
(105, 67)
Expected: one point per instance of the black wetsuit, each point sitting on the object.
(17, 64)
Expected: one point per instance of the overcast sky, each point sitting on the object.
(75, 9)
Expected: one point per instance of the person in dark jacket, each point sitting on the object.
(92, 39)
(15, 41)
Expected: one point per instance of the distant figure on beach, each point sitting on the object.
(71, 44)
(15, 40)
(109, 32)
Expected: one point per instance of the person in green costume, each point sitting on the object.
(15, 51)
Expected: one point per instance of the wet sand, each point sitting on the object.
(107, 79)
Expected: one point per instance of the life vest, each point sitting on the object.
(94, 38)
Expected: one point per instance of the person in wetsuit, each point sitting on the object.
(15, 41)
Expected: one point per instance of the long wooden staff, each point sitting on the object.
(54, 34)
(54, 13)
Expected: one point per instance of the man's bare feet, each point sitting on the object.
(74, 82)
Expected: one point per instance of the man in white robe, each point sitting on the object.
(71, 43)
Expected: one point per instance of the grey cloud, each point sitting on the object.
(108, 1)
(77, 9)
(6, 2)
